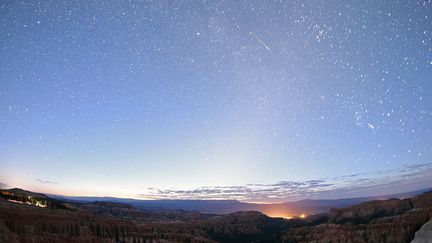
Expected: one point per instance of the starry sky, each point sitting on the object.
(249, 100)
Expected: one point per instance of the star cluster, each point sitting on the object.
(191, 94)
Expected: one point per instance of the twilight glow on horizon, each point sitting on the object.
(260, 101)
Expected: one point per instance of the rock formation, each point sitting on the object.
(424, 235)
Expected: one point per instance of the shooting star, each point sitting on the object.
(262, 42)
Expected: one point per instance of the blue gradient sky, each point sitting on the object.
(163, 99)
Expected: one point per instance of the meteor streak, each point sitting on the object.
(262, 42)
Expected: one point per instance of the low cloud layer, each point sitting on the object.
(46, 182)
(409, 177)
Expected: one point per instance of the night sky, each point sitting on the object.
(249, 100)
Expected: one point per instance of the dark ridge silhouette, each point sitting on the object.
(31, 198)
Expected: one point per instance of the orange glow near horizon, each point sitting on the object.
(278, 213)
(284, 214)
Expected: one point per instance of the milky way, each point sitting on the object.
(152, 99)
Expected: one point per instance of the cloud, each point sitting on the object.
(46, 182)
(3, 186)
(352, 185)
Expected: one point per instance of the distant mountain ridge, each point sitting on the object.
(295, 208)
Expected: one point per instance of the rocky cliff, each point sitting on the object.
(108, 223)
(376, 221)
(424, 235)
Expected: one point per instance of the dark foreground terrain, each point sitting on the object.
(33, 217)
